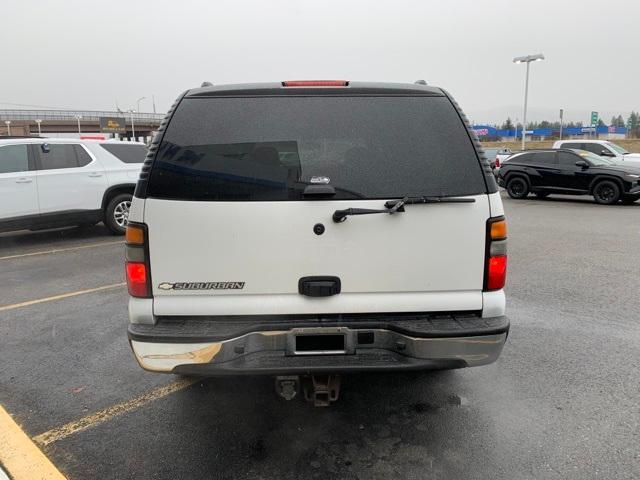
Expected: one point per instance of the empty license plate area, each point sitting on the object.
(321, 343)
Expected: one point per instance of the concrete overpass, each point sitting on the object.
(23, 122)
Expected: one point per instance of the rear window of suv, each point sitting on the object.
(126, 153)
(271, 148)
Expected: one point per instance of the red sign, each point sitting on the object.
(92, 137)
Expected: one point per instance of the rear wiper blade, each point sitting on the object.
(396, 206)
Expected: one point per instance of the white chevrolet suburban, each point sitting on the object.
(303, 229)
(60, 182)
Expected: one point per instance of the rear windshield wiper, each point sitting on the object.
(416, 200)
(394, 206)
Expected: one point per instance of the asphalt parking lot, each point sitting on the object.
(561, 402)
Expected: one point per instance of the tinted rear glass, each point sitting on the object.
(566, 159)
(14, 158)
(58, 155)
(271, 148)
(544, 158)
(83, 157)
(126, 153)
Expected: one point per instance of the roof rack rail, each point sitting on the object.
(206, 84)
(420, 82)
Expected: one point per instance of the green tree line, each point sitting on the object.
(632, 123)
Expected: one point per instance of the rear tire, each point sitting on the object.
(116, 215)
(606, 192)
(517, 187)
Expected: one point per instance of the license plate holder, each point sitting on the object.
(320, 341)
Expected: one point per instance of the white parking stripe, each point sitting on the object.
(61, 296)
(58, 250)
(108, 413)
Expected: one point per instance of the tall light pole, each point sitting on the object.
(133, 128)
(138, 102)
(153, 100)
(527, 59)
(78, 117)
(8, 124)
(38, 121)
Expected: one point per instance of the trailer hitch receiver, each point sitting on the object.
(321, 390)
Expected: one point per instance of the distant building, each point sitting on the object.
(486, 132)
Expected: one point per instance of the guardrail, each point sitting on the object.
(70, 115)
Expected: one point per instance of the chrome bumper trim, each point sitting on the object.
(165, 357)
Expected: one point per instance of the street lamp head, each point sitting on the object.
(529, 58)
(38, 120)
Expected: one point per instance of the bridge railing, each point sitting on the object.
(87, 115)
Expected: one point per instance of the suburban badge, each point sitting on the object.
(201, 286)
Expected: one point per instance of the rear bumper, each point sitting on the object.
(210, 347)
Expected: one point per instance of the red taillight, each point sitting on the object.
(315, 83)
(137, 263)
(137, 279)
(496, 272)
(497, 162)
(496, 256)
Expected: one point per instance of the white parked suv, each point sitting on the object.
(308, 228)
(57, 182)
(603, 148)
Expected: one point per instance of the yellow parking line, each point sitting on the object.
(60, 297)
(58, 250)
(20, 457)
(108, 413)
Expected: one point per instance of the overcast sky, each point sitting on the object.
(85, 54)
